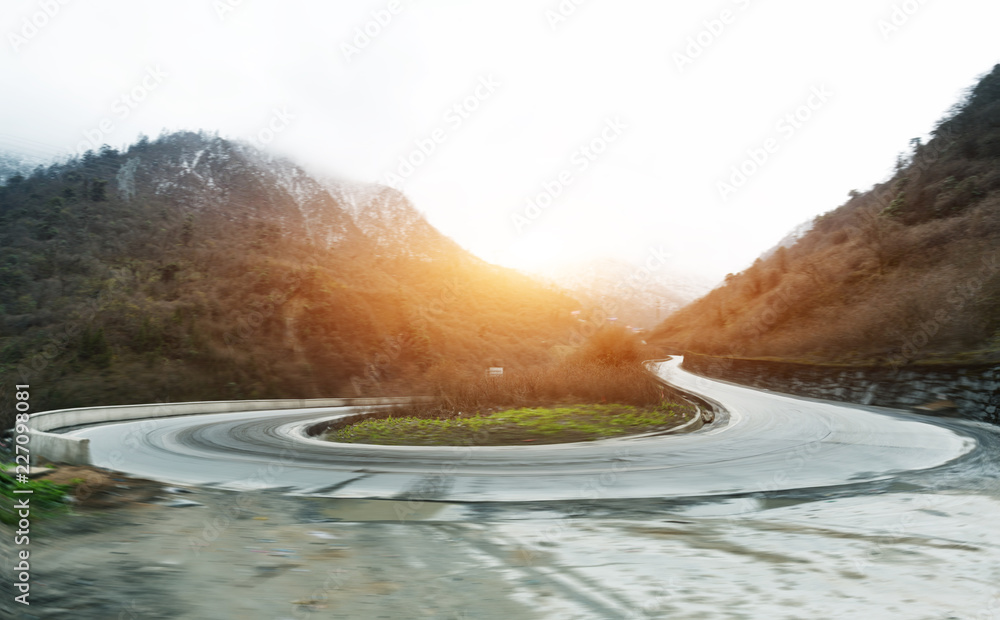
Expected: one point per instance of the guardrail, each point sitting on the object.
(61, 448)
(707, 406)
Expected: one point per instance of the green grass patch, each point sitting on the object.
(538, 425)
(47, 498)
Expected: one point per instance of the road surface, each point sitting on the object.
(767, 442)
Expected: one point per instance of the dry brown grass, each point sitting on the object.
(605, 369)
(572, 382)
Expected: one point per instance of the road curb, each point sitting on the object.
(61, 448)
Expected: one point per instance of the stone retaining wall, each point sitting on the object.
(975, 390)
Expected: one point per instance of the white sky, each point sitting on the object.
(655, 185)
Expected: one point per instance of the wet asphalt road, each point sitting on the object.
(766, 443)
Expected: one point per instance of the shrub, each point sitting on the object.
(611, 346)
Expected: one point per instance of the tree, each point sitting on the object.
(94, 347)
(781, 259)
(875, 231)
(611, 346)
(98, 190)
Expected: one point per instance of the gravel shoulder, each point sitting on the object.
(167, 552)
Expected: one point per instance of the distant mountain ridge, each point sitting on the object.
(629, 292)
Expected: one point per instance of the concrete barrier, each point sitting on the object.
(61, 448)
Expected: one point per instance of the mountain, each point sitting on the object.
(387, 218)
(12, 164)
(634, 295)
(907, 272)
(192, 267)
(790, 239)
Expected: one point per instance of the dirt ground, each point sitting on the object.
(132, 549)
(137, 549)
(101, 489)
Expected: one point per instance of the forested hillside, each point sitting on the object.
(906, 272)
(191, 267)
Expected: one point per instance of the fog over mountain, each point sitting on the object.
(637, 294)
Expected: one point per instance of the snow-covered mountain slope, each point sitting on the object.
(13, 164)
(237, 182)
(388, 218)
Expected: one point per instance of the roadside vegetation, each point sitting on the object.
(47, 498)
(599, 391)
